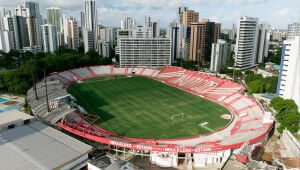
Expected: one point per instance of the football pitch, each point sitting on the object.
(140, 107)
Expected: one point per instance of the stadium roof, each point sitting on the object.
(36, 146)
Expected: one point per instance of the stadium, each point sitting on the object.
(170, 114)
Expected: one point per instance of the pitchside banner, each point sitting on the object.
(155, 148)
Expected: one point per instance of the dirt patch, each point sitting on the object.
(10, 103)
(291, 162)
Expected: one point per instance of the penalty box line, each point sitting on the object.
(207, 128)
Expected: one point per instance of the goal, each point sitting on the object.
(180, 115)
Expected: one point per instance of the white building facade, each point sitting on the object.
(289, 77)
(49, 35)
(220, 52)
(148, 52)
(263, 42)
(90, 25)
(293, 30)
(246, 43)
(71, 33)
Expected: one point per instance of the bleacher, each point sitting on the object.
(82, 72)
(101, 70)
(247, 116)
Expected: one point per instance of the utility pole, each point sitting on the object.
(47, 100)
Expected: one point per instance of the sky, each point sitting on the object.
(278, 13)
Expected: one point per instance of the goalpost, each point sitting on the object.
(177, 115)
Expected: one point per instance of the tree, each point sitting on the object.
(238, 73)
(248, 72)
(256, 87)
(286, 113)
(261, 65)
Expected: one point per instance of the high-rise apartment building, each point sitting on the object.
(203, 35)
(49, 35)
(263, 42)
(289, 77)
(149, 52)
(246, 43)
(293, 30)
(220, 53)
(190, 16)
(21, 35)
(71, 33)
(107, 35)
(90, 18)
(82, 19)
(232, 32)
(179, 14)
(128, 23)
(6, 41)
(277, 36)
(34, 21)
(54, 17)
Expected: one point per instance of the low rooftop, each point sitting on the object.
(36, 146)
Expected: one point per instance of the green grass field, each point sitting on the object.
(140, 107)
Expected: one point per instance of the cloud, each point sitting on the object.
(110, 12)
(246, 1)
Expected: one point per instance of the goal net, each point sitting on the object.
(178, 115)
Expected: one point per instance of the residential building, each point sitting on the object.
(6, 12)
(71, 33)
(103, 48)
(179, 14)
(288, 81)
(277, 36)
(220, 53)
(148, 52)
(174, 42)
(128, 23)
(203, 35)
(246, 43)
(54, 17)
(90, 18)
(293, 30)
(263, 42)
(49, 35)
(107, 35)
(88, 39)
(6, 41)
(8, 25)
(233, 32)
(34, 22)
(190, 16)
(82, 19)
(21, 35)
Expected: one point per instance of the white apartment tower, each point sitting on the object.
(232, 33)
(246, 44)
(71, 33)
(148, 52)
(49, 35)
(289, 77)
(179, 14)
(6, 41)
(220, 52)
(263, 42)
(293, 30)
(90, 19)
(128, 23)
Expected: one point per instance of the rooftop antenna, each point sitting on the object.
(47, 100)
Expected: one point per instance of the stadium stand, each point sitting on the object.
(247, 115)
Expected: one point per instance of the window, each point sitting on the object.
(11, 126)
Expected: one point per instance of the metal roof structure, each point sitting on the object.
(36, 146)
